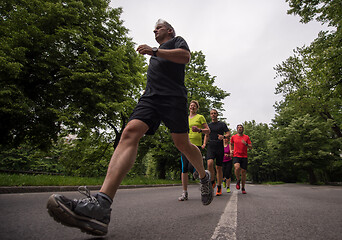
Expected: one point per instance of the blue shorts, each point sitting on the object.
(171, 110)
(186, 164)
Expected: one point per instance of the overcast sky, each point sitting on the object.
(242, 40)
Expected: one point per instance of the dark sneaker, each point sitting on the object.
(207, 191)
(91, 214)
(183, 197)
(243, 191)
(238, 185)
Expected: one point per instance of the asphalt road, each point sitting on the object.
(289, 211)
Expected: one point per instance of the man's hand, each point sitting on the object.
(220, 137)
(244, 142)
(145, 49)
(195, 129)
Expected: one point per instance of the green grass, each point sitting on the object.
(273, 183)
(52, 180)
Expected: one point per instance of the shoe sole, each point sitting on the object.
(212, 192)
(65, 216)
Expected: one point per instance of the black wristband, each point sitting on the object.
(200, 130)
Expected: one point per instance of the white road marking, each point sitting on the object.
(226, 228)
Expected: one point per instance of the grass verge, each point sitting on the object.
(52, 180)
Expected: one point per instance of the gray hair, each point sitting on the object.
(168, 26)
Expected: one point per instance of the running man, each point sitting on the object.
(164, 99)
(239, 143)
(218, 131)
(197, 126)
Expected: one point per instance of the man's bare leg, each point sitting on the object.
(243, 177)
(123, 157)
(237, 170)
(219, 174)
(210, 163)
(192, 153)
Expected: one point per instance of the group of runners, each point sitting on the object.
(164, 99)
(223, 151)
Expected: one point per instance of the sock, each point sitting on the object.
(105, 196)
(205, 179)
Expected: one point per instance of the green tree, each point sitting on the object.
(64, 64)
(259, 162)
(312, 78)
(201, 86)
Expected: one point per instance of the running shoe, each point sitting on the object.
(183, 197)
(213, 183)
(238, 185)
(228, 190)
(224, 183)
(90, 215)
(243, 191)
(219, 191)
(207, 191)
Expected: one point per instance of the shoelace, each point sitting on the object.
(205, 188)
(86, 192)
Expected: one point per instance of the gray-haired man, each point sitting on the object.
(164, 99)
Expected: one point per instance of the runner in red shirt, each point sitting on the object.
(239, 143)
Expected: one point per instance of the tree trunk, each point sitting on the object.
(312, 176)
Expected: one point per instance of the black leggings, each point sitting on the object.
(186, 165)
(227, 169)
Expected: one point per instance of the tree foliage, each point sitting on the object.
(312, 78)
(64, 64)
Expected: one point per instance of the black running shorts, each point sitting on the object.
(215, 152)
(243, 162)
(171, 110)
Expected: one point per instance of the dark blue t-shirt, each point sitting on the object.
(164, 77)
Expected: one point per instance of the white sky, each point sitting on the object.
(242, 40)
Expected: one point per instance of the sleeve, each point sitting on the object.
(202, 120)
(248, 140)
(181, 43)
(226, 128)
(232, 140)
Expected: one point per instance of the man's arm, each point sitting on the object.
(177, 55)
(205, 141)
(231, 148)
(248, 145)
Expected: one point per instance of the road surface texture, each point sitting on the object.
(288, 211)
